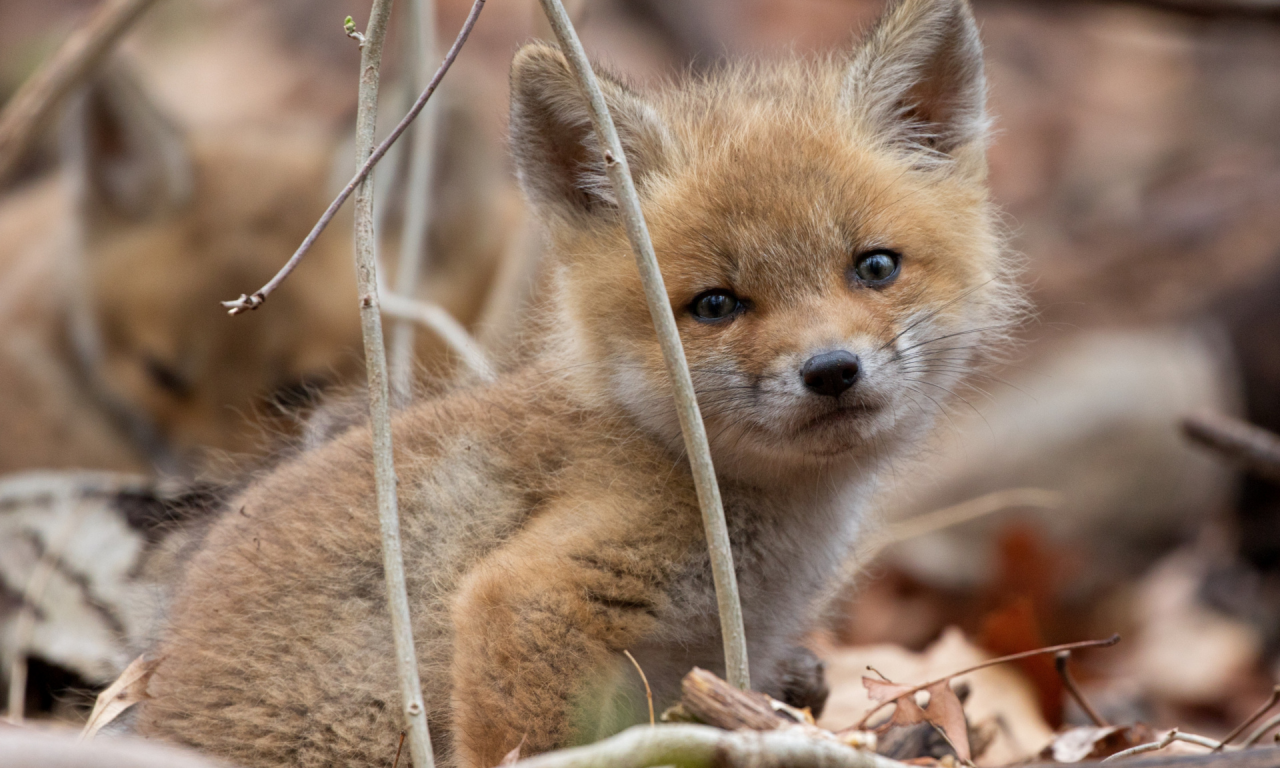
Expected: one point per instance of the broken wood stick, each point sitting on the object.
(714, 702)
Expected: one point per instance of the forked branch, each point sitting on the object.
(444, 325)
(247, 302)
(664, 322)
(861, 724)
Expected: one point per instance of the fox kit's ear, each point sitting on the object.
(129, 160)
(918, 77)
(557, 155)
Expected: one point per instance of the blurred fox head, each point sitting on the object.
(823, 229)
(169, 224)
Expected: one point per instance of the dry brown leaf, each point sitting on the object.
(998, 694)
(128, 689)
(905, 712)
(944, 711)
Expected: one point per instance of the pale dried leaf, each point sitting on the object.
(905, 712)
(1088, 742)
(513, 757)
(127, 690)
(998, 694)
(795, 713)
(944, 711)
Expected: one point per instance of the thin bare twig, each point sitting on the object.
(1255, 717)
(444, 325)
(988, 663)
(1061, 661)
(577, 10)
(1168, 739)
(420, 47)
(81, 54)
(986, 504)
(245, 303)
(699, 746)
(400, 746)
(664, 321)
(1261, 731)
(648, 692)
(1254, 448)
(1200, 741)
(375, 356)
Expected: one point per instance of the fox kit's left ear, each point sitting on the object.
(129, 160)
(557, 155)
(918, 78)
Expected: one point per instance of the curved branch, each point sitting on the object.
(664, 323)
(443, 324)
(247, 302)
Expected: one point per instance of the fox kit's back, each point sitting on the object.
(833, 261)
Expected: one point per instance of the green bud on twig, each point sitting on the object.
(349, 26)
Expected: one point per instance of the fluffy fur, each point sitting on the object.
(549, 520)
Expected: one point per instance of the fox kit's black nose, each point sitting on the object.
(830, 373)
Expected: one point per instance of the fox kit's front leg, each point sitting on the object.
(540, 627)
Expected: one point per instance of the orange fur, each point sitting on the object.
(550, 520)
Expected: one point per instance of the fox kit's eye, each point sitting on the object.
(715, 305)
(877, 268)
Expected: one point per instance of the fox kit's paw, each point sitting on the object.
(803, 681)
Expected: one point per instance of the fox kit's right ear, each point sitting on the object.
(557, 155)
(127, 158)
(918, 78)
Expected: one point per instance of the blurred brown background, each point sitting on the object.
(1137, 155)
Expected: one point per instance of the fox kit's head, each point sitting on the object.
(170, 224)
(823, 229)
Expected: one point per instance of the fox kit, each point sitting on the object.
(832, 257)
(114, 351)
(150, 229)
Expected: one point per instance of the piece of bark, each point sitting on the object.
(714, 702)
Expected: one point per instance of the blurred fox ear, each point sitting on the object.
(918, 77)
(127, 157)
(558, 158)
